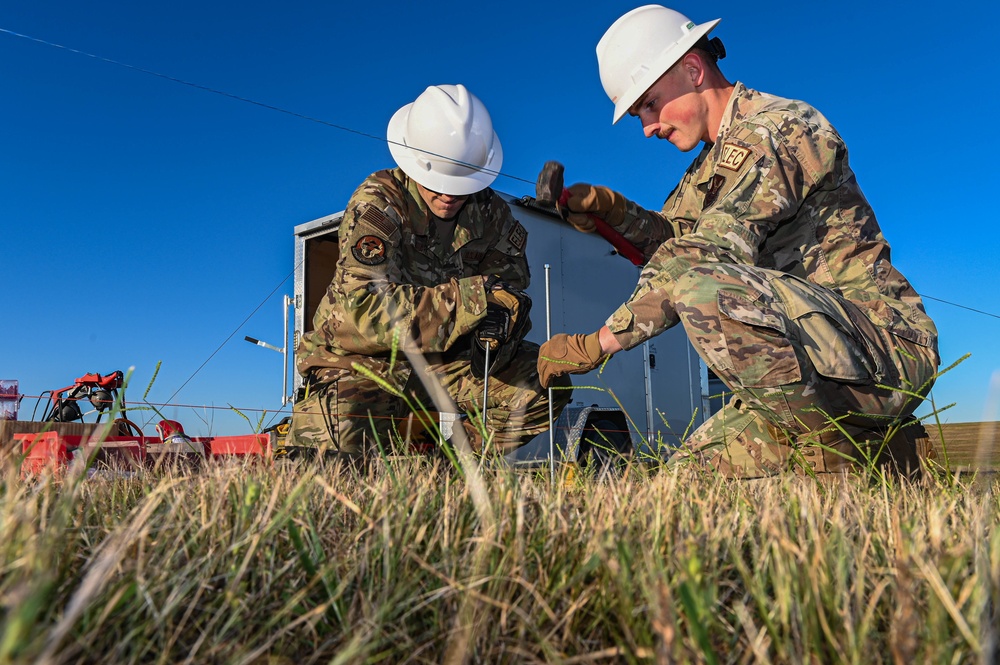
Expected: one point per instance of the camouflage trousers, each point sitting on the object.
(353, 414)
(810, 373)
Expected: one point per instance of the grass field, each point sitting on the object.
(416, 561)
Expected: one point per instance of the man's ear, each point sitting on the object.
(694, 68)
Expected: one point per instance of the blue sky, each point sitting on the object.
(145, 220)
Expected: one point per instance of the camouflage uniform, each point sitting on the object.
(770, 256)
(406, 280)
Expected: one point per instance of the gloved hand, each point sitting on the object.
(595, 199)
(568, 354)
(506, 323)
(504, 296)
(494, 329)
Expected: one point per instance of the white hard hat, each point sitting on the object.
(445, 141)
(640, 47)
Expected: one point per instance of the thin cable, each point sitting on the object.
(260, 104)
(255, 103)
(226, 341)
(955, 304)
(321, 122)
(324, 122)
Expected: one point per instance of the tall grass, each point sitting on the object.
(321, 564)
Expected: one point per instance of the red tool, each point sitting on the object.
(101, 391)
(549, 191)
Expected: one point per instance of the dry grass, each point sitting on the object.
(307, 564)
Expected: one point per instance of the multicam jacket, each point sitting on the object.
(774, 191)
(406, 279)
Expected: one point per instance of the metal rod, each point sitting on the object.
(486, 379)
(254, 340)
(548, 336)
(647, 378)
(284, 353)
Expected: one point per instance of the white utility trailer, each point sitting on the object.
(646, 398)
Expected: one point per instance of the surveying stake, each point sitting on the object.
(548, 336)
(486, 380)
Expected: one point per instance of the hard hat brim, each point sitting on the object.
(477, 178)
(667, 59)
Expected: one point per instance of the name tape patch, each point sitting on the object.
(518, 237)
(733, 156)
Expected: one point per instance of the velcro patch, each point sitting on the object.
(378, 220)
(733, 156)
(518, 237)
(369, 250)
(714, 187)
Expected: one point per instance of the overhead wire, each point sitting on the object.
(231, 335)
(955, 304)
(320, 121)
(254, 102)
(260, 104)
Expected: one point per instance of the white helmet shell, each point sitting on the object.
(445, 141)
(640, 47)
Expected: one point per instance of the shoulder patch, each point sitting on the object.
(378, 219)
(518, 237)
(369, 250)
(733, 156)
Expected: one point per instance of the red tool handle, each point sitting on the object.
(617, 240)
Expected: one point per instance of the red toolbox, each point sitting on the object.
(54, 450)
(44, 450)
(240, 446)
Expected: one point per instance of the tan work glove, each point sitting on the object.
(505, 308)
(568, 354)
(594, 199)
(501, 296)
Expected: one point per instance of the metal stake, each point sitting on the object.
(486, 380)
(548, 336)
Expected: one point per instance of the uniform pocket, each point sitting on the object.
(826, 333)
(756, 338)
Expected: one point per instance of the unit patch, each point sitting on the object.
(714, 187)
(733, 156)
(370, 250)
(518, 237)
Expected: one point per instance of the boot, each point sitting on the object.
(833, 451)
(908, 451)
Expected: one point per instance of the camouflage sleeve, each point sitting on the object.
(381, 310)
(646, 229)
(762, 174)
(506, 257)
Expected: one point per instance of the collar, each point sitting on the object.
(421, 220)
(735, 109)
